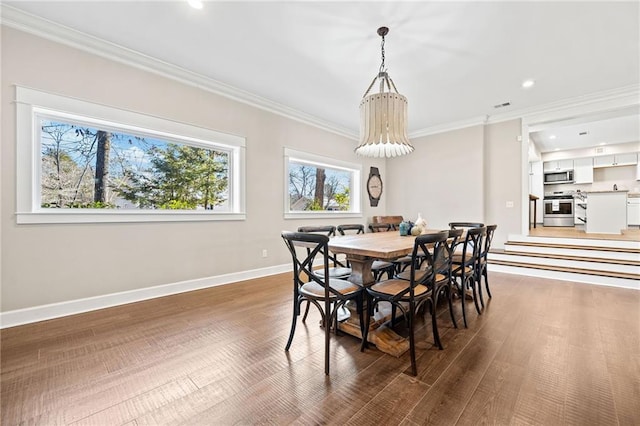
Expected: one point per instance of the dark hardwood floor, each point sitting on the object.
(544, 352)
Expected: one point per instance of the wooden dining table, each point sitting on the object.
(361, 250)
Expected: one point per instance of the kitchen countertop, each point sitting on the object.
(604, 192)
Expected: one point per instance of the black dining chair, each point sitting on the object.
(412, 292)
(378, 267)
(339, 269)
(465, 267)
(326, 293)
(483, 259)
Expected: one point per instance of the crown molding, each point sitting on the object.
(581, 105)
(609, 100)
(26, 22)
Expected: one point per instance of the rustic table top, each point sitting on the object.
(379, 245)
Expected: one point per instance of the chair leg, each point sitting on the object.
(327, 335)
(434, 324)
(479, 282)
(475, 294)
(486, 281)
(450, 299)
(367, 319)
(306, 312)
(393, 315)
(296, 312)
(463, 296)
(412, 347)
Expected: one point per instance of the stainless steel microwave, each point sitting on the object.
(558, 177)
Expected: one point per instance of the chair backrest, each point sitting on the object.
(487, 241)
(428, 247)
(380, 227)
(394, 221)
(443, 264)
(328, 230)
(473, 242)
(355, 227)
(304, 247)
(464, 225)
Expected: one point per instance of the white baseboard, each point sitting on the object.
(71, 307)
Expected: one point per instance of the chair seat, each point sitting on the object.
(335, 272)
(406, 275)
(394, 286)
(380, 264)
(344, 287)
(467, 271)
(457, 257)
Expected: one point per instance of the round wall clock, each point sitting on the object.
(374, 186)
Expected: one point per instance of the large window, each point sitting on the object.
(111, 165)
(320, 186)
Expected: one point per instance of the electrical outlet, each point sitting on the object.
(264, 252)
(509, 204)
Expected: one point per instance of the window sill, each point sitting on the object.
(100, 216)
(321, 215)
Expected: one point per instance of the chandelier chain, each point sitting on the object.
(382, 50)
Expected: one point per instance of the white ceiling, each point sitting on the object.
(453, 60)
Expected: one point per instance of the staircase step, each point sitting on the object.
(531, 270)
(594, 261)
(576, 246)
(602, 252)
(605, 265)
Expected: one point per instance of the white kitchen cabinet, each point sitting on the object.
(558, 165)
(583, 170)
(633, 211)
(628, 159)
(536, 186)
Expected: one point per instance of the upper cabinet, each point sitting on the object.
(628, 159)
(583, 170)
(557, 165)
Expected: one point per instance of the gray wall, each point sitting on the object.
(44, 264)
(466, 174)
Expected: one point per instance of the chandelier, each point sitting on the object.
(383, 117)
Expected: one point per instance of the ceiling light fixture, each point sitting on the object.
(528, 84)
(383, 117)
(196, 4)
(552, 137)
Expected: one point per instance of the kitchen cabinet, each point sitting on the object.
(628, 159)
(557, 165)
(633, 210)
(583, 170)
(536, 186)
(606, 212)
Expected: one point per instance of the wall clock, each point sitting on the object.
(374, 186)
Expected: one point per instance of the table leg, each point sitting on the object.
(385, 339)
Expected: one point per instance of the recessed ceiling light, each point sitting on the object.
(552, 137)
(196, 4)
(556, 149)
(528, 84)
(603, 143)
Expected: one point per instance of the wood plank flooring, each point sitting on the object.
(543, 352)
(631, 234)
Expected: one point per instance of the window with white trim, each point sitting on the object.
(317, 186)
(83, 162)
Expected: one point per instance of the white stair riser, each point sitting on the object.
(576, 241)
(572, 252)
(582, 264)
(566, 276)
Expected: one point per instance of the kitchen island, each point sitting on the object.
(606, 212)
